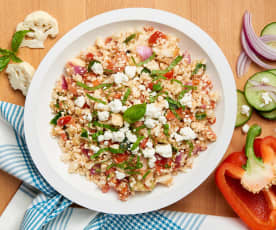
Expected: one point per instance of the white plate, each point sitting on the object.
(45, 151)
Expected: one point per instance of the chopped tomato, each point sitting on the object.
(170, 115)
(150, 85)
(195, 82)
(119, 158)
(63, 136)
(96, 82)
(118, 96)
(148, 29)
(64, 120)
(107, 40)
(169, 75)
(154, 37)
(89, 57)
(111, 170)
(143, 143)
(105, 188)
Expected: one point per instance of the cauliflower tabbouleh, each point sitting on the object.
(132, 111)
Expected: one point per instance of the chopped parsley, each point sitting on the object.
(106, 126)
(105, 85)
(166, 129)
(200, 116)
(127, 93)
(84, 133)
(198, 67)
(96, 99)
(129, 38)
(147, 60)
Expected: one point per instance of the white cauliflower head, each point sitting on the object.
(41, 25)
(20, 76)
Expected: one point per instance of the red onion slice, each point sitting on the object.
(64, 84)
(144, 52)
(254, 83)
(250, 53)
(268, 88)
(80, 70)
(255, 42)
(179, 157)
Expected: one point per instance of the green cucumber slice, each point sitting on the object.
(272, 71)
(270, 29)
(242, 118)
(269, 115)
(254, 97)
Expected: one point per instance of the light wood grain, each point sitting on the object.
(221, 19)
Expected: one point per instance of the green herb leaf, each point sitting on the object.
(129, 38)
(172, 103)
(191, 147)
(112, 150)
(139, 128)
(177, 81)
(137, 142)
(96, 99)
(134, 62)
(200, 116)
(95, 135)
(108, 70)
(106, 126)
(84, 133)
(127, 93)
(17, 39)
(135, 113)
(132, 172)
(166, 129)
(15, 58)
(182, 93)
(91, 63)
(157, 87)
(105, 85)
(170, 67)
(157, 77)
(4, 61)
(147, 60)
(198, 67)
(5, 52)
(145, 70)
(146, 174)
(55, 119)
(175, 113)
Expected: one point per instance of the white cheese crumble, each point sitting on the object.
(178, 138)
(164, 150)
(103, 116)
(88, 116)
(120, 175)
(94, 148)
(130, 71)
(187, 100)
(120, 78)
(148, 152)
(124, 108)
(115, 106)
(80, 101)
(152, 161)
(245, 128)
(97, 68)
(149, 144)
(163, 120)
(266, 98)
(150, 123)
(107, 135)
(245, 109)
(131, 137)
(100, 106)
(153, 111)
(142, 87)
(188, 133)
(118, 136)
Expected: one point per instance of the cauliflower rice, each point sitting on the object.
(132, 111)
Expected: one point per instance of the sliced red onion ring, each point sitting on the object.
(255, 83)
(179, 157)
(273, 96)
(144, 52)
(255, 42)
(250, 53)
(80, 70)
(268, 88)
(64, 84)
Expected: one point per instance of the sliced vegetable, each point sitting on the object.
(155, 36)
(157, 87)
(135, 113)
(106, 126)
(169, 75)
(105, 85)
(146, 174)
(96, 99)
(84, 133)
(91, 63)
(198, 67)
(269, 115)
(145, 70)
(129, 38)
(270, 29)
(55, 119)
(64, 120)
(200, 116)
(145, 61)
(127, 93)
(170, 67)
(166, 129)
(144, 52)
(136, 144)
(242, 118)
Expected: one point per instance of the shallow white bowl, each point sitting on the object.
(45, 151)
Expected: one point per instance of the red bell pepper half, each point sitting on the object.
(247, 180)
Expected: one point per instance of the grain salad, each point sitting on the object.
(132, 111)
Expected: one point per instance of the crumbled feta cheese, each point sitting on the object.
(164, 150)
(142, 87)
(87, 115)
(245, 128)
(149, 144)
(153, 111)
(130, 71)
(178, 138)
(97, 68)
(245, 109)
(106, 143)
(188, 133)
(120, 78)
(187, 100)
(150, 123)
(115, 106)
(266, 98)
(148, 152)
(131, 137)
(118, 136)
(152, 161)
(124, 108)
(94, 148)
(100, 106)
(120, 175)
(80, 101)
(265, 80)
(107, 135)
(103, 116)
(100, 138)
(163, 120)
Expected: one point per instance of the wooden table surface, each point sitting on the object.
(221, 19)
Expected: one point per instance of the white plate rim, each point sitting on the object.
(158, 16)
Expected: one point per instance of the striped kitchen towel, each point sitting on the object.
(36, 205)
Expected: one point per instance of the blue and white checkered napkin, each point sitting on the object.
(41, 207)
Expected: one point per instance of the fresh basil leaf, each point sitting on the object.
(127, 93)
(145, 70)
(91, 63)
(108, 70)
(166, 129)
(157, 87)
(198, 67)
(4, 61)
(129, 38)
(96, 99)
(147, 60)
(105, 85)
(55, 119)
(135, 113)
(200, 116)
(17, 39)
(146, 174)
(84, 133)
(137, 142)
(15, 58)
(170, 67)
(5, 52)
(106, 126)
(95, 135)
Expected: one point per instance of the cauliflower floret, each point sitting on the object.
(20, 76)
(41, 25)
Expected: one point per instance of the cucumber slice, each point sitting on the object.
(242, 118)
(272, 71)
(269, 115)
(254, 97)
(270, 29)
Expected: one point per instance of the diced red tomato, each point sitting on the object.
(108, 39)
(63, 136)
(105, 188)
(154, 37)
(169, 75)
(89, 57)
(119, 158)
(143, 143)
(150, 85)
(118, 96)
(195, 82)
(64, 120)
(170, 115)
(96, 82)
